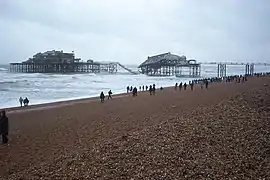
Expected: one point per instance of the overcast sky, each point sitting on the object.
(128, 31)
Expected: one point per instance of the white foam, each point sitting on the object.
(43, 88)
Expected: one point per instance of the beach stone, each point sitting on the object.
(222, 133)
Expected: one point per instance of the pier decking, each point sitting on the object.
(80, 67)
(166, 64)
(60, 62)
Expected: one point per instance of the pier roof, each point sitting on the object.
(53, 57)
(165, 59)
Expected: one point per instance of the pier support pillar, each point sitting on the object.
(222, 70)
(249, 69)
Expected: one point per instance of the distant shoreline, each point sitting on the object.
(66, 102)
(62, 103)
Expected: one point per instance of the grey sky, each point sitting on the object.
(130, 30)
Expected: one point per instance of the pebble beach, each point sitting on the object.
(218, 133)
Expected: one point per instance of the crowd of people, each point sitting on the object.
(4, 124)
(134, 90)
(203, 83)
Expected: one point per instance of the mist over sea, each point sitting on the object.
(44, 88)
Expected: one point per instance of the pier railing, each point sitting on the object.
(112, 67)
(77, 67)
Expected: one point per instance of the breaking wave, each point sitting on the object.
(3, 69)
(13, 82)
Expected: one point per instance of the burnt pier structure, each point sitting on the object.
(60, 62)
(76, 67)
(168, 64)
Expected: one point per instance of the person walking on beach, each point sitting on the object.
(150, 90)
(131, 89)
(146, 87)
(191, 85)
(127, 89)
(21, 101)
(154, 89)
(245, 77)
(206, 84)
(140, 88)
(238, 79)
(176, 85)
(110, 94)
(4, 126)
(185, 86)
(143, 88)
(26, 101)
(201, 84)
(102, 96)
(180, 86)
(134, 92)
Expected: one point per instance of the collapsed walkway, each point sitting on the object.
(127, 69)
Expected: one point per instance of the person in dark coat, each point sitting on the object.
(206, 84)
(21, 101)
(176, 85)
(110, 94)
(4, 126)
(26, 101)
(134, 92)
(128, 89)
(154, 89)
(150, 90)
(102, 96)
(185, 86)
(180, 86)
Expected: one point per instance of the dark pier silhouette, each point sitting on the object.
(82, 67)
(222, 69)
(60, 62)
(168, 64)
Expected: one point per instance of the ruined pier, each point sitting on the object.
(81, 67)
(61, 62)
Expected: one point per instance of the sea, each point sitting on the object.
(44, 88)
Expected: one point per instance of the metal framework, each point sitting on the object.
(249, 70)
(63, 67)
(222, 70)
(191, 70)
(168, 64)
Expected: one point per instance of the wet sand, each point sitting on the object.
(172, 135)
